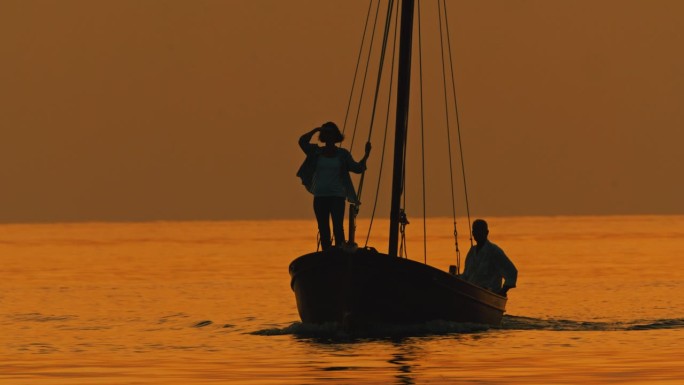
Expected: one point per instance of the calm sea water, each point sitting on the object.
(600, 300)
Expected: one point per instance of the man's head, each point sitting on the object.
(480, 231)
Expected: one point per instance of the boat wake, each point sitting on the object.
(527, 323)
(333, 331)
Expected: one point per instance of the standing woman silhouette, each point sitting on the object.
(325, 174)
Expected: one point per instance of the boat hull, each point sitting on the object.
(367, 287)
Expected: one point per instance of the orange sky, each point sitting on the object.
(164, 110)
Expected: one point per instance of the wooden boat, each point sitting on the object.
(366, 287)
(363, 286)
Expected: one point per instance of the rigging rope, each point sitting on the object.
(354, 208)
(387, 116)
(403, 220)
(458, 123)
(365, 76)
(377, 84)
(422, 131)
(448, 132)
(356, 71)
(444, 56)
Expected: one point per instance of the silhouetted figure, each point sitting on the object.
(486, 264)
(325, 174)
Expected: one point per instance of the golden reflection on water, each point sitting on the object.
(179, 302)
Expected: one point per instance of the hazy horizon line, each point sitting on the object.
(312, 219)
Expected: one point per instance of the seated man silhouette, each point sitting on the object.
(486, 264)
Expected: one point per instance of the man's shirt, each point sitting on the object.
(487, 267)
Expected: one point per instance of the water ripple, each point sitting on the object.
(38, 317)
(335, 332)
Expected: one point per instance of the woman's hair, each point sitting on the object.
(330, 128)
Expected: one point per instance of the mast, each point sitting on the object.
(403, 88)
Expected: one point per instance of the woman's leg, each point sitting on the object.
(337, 213)
(322, 211)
